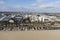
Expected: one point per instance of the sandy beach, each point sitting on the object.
(30, 35)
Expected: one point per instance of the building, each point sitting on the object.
(34, 18)
(11, 21)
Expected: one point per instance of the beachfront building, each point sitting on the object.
(34, 18)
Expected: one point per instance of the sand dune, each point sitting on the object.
(30, 35)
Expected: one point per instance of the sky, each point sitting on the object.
(30, 5)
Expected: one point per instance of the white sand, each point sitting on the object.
(30, 35)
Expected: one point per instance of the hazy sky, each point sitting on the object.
(37, 5)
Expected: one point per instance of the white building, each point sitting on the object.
(12, 16)
(41, 19)
(11, 21)
(45, 18)
(34, 18)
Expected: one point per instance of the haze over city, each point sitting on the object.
(50, 6)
